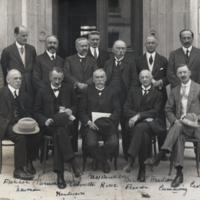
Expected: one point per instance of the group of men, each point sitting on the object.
(59, 93)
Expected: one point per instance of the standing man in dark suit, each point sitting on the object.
(78, 71)
(103, 99)
(157, 65)
(1, 77)
(15, 104)
(141, 109)
(187, 54)
(45, 62)
(54, 104)
(95, 52)
(184, 100)
(20, 56)
(122, 75)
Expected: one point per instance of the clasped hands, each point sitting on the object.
(134, 119)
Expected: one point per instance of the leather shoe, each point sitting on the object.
(141, 176)
(61, 181)
(21, 174)
(176, 182)
(75, 168)
(152, 162)
(95, 164)
(105, 167)
(30, 168)
(129, 164)
(165, 158)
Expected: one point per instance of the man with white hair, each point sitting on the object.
(45, 62)
(15, 104)
(141, 109)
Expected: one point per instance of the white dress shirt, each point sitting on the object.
(118, 60)
(21, 55)
(57, 92)
(100, 90)
(143, 89)
(185, 50)
(92, 51)
(148, 55)
(50, 55)
(12, 89)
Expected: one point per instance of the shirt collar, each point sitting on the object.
(185, 49)
(55, 87)
(119, 59)
(19, 46)
(50, 54)
(148, 88)
(81, 56)
(99, 88)
(12, 89)
(92, 49)
(187, 84)
(151, 54)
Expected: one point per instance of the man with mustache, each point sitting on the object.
(184, 99)
(187, 54)
(122, 75)
(78, 70)
(45, 62)
(20, 56)
(102, 99)
(94, 51)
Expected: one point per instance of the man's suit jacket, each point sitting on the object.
(128, 71)
(42, 67)
(44, 102)
(102, 58)
(10, 59)
(154, 100)
(178, 57)
(5, 108)
(1, 77)
(74, 72)
(90, 102)
(173, 106)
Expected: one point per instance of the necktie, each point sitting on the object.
(22, 50)
(151, 60)
(57, 89)
(53, 58)
(15, 94)
(95, 53)
(187, 53)
(145, 92)
(118, 63)
(183, 104)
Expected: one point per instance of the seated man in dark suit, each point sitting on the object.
(50, 101)
(45, 62)
(15, 104)
(101, 56)
(141, 109)
(100, 98)
(184, 100)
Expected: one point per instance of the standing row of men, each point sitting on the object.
(45, 73)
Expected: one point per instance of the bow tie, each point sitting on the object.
(145, 91)
(57, 89)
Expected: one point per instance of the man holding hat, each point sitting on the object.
(14, 106)
(100, 99)
(141, 109)
(55, 106)
(183, 112)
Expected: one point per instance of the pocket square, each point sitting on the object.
(161, 68)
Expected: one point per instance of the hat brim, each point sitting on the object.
(15, 129)
(190, 125)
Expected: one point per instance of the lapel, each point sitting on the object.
(27, 54)
(48, 60)
(50, 96)
(178, 99)
(7, 94)
(63, 95)
(191, 94)
(193, 54)
(138, 95)
(181, 55)
(156, 65)
(16, 53)
(123, 63)
(77, 61)
(86, 64)
(150, 94)
(144, 62)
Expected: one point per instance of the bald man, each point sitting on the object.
(122, 75)
(15, 105)
(20, 56)
(141, 109)
(45, 62)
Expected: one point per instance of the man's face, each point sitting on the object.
(183, 73)
(94, 41)
(186, 39)
(22, 36)
(145, 78)
(151, 44)
(56, 79)
(52, 44)
(15, 80)
(119, 49)
(99, 79)
(82, 47)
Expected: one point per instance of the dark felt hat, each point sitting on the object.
(61, 119)
(106, 126)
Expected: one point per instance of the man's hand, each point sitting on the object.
(48, 122)
(157, 84)
(132, 121)
(176, 121)
(68, 112)
(92, 125)
(81, 86)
